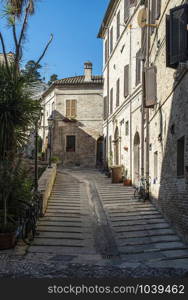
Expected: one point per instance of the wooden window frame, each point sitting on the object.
(72, 109)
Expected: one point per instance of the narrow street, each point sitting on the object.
(95, 228)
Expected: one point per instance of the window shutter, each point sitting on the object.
(126, 81)
(138, 67)
(168, 41)
(106, 51)
(111, 40)
(73, 108)
(111, 101)
(158, 9)
(150, 86)
(105, 108)
(118, 26)
(153, 14)
(126, 10)
(144, 41)
(68, 108)
(117, 93)
(178, 34)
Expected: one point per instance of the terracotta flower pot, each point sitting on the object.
(7, 240)
(127, 182)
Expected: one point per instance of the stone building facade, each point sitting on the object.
(146, 129)
(76, 107)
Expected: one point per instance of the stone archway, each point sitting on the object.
(116, 147)
(136, 158)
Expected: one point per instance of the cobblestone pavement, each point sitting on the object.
(93, 228)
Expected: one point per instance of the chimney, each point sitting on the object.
(88, 71)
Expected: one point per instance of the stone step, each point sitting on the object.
(143, 233)
(61, 235)
(152, 248)
(131, 228)
(63, 223)
(62, 219)
(137, 241)
(117, 223)
(57, 242)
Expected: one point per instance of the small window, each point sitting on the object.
(150, 86)
(105, 108)
(156, 165)
(111, 40)
(127, 128)
(106, 51)
(138, 67)
(118, 25)
(126, 81)
(117, 93)
(111, 101)
(180, 156)
(71, 108)
(70, 143)
(126, 10)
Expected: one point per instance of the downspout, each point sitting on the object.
(147, 63)
(130, 92)
(142, 118)
(108, 84)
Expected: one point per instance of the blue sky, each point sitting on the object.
(75, 24)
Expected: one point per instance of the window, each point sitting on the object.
(71, 108)
(126, 81)
(180, 156)
(106, 51)
(105, 108)
(176, 36)
(155, 12)
(127, 128)
(126, 10)
(138, 67)
(117, 93)
(70, 143)
(111, 40)
(156, 165)
(118, 25)
(111, 101)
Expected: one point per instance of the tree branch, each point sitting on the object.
(21, 36)
(4, 52)
(45, 49)
(14, 35)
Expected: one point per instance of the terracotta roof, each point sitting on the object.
(76, 80)
(79, 80)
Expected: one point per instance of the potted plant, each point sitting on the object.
(7, 236)
(127, 181)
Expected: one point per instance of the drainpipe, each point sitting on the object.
(108, 83)
(142, 118)
(130, 92)
(147, 63)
